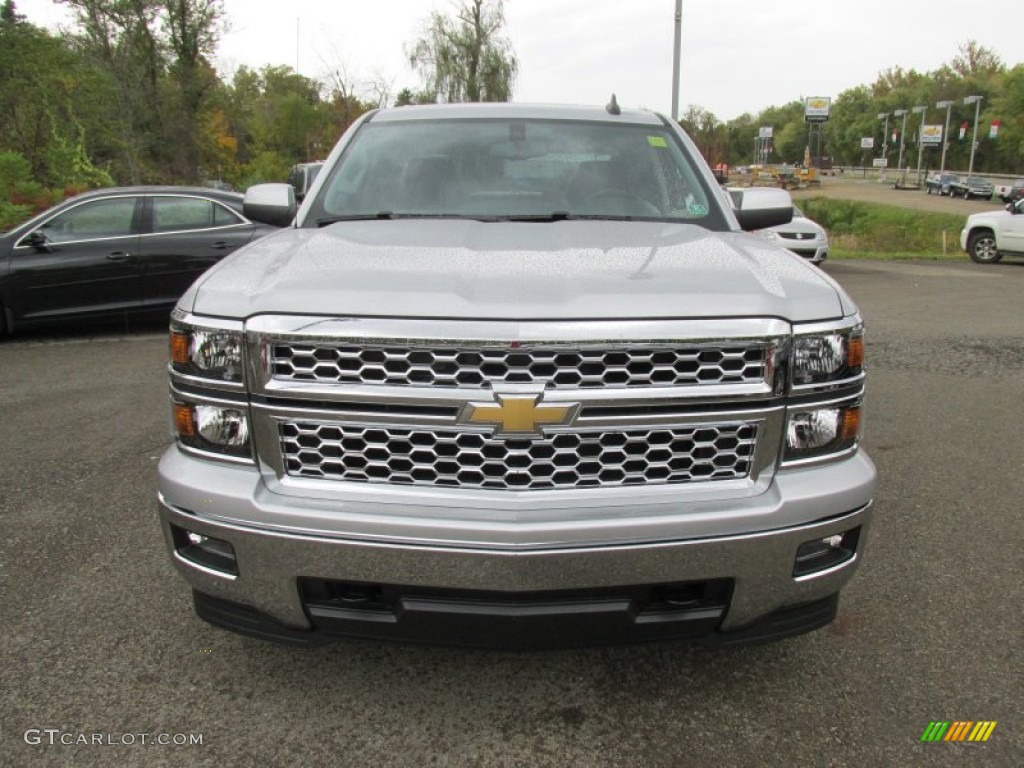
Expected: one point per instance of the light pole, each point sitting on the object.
(885, 136)
(903, 130)
(976, 101)
(945, 134)
(675, 60)
(920, 133)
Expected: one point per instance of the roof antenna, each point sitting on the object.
(612, 107)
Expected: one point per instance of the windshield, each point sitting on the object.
(515, 168)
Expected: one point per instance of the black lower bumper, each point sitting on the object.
(516, 625)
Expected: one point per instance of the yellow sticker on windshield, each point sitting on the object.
(657, 141)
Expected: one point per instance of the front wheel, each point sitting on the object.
(967, 195)
(981, 247)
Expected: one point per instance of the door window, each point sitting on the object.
(92, 221)
(181, 214)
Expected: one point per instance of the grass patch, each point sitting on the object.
(872, 230)
(839, 254)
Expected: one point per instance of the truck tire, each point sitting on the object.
(967, 194)
(981, 247)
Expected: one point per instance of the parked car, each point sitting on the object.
(940, 183)
(120, 250)
(302, 176)
(1011, 193)
(802, 236)
(972, 186)
(988, 236)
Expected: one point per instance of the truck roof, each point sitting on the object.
(505, 110)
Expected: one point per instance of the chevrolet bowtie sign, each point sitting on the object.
(518, 414)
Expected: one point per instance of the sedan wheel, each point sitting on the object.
(982, 248)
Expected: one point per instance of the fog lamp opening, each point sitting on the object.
(206, 551)
(822, 554)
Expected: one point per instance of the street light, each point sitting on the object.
(885, 134)
(903, 130)
(920, 134)
(976, 101)
(945, 134)
(677, 45)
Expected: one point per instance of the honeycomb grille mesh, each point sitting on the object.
(460, 459)
(555, 367)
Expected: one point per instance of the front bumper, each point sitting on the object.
(815, 254)
(526, 593)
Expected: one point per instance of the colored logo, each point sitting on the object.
(959, 730)
(518, 414)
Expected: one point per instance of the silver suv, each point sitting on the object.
(516, 376)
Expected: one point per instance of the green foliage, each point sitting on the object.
(264, 167)
(20, 195)
(883, 229)
(69, 164)
(11, 215)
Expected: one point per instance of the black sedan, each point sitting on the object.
(112, 251)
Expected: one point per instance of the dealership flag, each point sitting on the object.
(993, 132)
(963, 131)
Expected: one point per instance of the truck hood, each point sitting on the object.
(517, 271)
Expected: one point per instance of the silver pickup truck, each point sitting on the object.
(515, 376)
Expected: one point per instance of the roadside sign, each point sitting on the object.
(880, 162)
(867, 142)
(931, 134)
(816, 109)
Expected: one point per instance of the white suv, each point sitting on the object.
(988, 236)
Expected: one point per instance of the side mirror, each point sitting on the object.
(272, 204)
(1012, 208)
(761, 207)
(36, 240)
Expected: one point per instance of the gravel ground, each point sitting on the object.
(99, 638)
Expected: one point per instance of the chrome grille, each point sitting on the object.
(461, 459)
(557, 367)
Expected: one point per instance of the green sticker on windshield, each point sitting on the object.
(696, 209)
(657, 141)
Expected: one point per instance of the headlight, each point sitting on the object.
(222, 429)
(822, 431)
(768, 234)
(209, 353)
(828, 357)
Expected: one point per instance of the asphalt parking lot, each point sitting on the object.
(99, 637)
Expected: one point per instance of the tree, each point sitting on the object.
(9, 14)
(465, 58)
(193, 28)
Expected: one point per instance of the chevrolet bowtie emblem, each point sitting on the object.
(518, 414)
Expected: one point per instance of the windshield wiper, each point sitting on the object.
(382, 215)
(521, 217)
(390, 216)
(541, 217)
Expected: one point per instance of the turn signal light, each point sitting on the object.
(179, 348)
(855, 356)
(183, 422)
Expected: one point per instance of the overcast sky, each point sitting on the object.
(737, 55)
